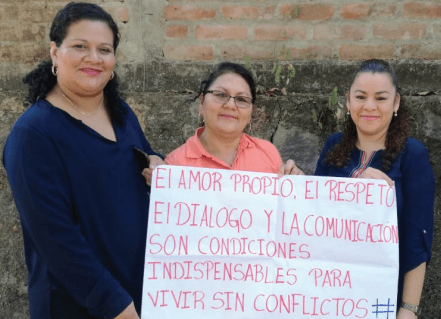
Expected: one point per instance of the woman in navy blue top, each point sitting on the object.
(375, 144)
(82, 200)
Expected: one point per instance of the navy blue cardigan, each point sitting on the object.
(415, 192)
(83, 205)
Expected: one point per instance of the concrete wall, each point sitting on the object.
(169, 46)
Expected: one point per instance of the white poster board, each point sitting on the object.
(235, 244)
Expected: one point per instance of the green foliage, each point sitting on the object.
(296, 11)
(247, 61)
(277, 70)
(277, 75)
(315, 119)
(292, 72)
(333, 103)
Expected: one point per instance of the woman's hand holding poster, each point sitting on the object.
(234, 244)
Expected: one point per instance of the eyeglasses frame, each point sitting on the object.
(230, 96)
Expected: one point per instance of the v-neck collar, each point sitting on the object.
(85, 126)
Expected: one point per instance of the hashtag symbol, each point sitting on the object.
(387, 306)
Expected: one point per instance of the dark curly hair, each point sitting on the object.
(41, 80)
(397, 132)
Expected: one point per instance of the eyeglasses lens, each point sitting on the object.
(222, 98)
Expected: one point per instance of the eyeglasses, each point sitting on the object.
(222, 98)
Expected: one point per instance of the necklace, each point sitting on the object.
(78, 110)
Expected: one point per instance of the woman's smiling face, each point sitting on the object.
(85, 59)
(372, 100)
(226, 118)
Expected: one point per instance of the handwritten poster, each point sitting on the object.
(234, 244)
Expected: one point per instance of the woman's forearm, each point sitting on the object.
(412, 289)
(413, 284)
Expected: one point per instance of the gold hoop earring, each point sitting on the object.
(54, 70)
(112, 75)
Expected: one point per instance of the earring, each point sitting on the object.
(54, 70)
(112, 75)
(395, 113)
(348, 112)
(250, 127)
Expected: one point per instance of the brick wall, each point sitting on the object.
(332, 29)
(213, 30)
(25, 24)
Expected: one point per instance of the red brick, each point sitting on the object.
(400, 31)
(220, 32)
(420, 51)
(308, 53)
(191, 13)
(421, 10)
(177, 31)
(38, 13)
(233, 52)
(355, 10)
(8, 13)
(352, 32)
(308, 11)
(364, 52)
(383, 11)
(272, 32)
(242, 12)
(188, 53)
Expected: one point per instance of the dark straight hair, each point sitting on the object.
(376, 66)
(224, 68)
